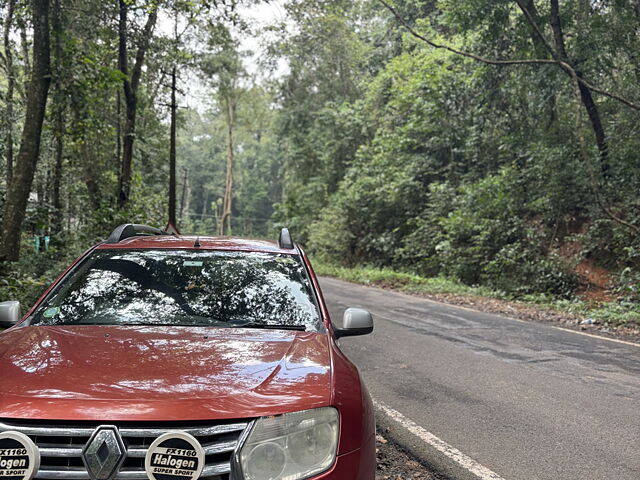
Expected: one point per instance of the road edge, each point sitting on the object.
(447, 461)
(625, 340)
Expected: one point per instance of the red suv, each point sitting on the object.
(175, 357)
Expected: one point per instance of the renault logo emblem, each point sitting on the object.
(104, 453)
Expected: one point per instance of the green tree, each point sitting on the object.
(18, 190)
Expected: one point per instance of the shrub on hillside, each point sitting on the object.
(484, 233)
(517, 269)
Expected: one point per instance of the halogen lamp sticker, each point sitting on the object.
(174, 456)
(19, 456)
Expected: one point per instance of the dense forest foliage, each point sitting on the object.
(490, 141)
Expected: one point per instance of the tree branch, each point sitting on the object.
(489, 61)
(527, 14)
(142, 49)
(585, 158)
(613, 96)
(556, 26)
(558, 60)
(123, 60)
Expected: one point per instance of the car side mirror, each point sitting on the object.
(9, 313)
(355, 321)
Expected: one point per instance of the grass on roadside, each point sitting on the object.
(611, 314)
(406, 282)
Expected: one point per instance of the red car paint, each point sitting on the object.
(152, 373)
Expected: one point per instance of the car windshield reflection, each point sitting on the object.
(184, 288)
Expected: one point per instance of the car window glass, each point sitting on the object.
(169, 287)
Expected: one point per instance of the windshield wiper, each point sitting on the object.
(271, 326)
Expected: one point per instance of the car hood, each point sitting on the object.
(160, 373)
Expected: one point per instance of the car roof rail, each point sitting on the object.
(128, 230)
(284, 240)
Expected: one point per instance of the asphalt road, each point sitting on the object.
(525, 400)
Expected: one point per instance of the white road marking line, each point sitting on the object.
(443, 447)
(592, 335)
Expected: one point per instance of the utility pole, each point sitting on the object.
(172, 156)
(227, 206)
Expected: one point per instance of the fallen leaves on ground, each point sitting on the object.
(531, 313)
(395, 464)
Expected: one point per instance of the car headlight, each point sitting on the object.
(291, 446)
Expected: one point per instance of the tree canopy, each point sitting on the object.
(491, 141)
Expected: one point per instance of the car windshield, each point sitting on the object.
(187, 288)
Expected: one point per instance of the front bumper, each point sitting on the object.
(358, 464)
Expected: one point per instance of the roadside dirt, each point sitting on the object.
(393, 463)
(530, 313)
(521, 311)
(596, 282)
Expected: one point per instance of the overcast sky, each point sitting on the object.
(196, 94)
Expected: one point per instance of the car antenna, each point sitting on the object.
(197, 244)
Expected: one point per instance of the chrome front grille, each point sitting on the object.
(61, 446)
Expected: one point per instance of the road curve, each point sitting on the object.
(525, 400)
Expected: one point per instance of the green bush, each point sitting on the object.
(486, 232)
(519, 270)
(28, 278)
(628, 285)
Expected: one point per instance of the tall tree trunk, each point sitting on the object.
(540, 52)
(227, 203)
(60, 108)
(185, 187)
(18, 193)
(556, 28)
(172, 153)
(124, 179)
(118, 127)
(24, 43)
(56, 225)
(130, 87)
(633, 54)
(93, 189)
(598, 128)
(205, 204)
(585, 94)
(11, 82)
